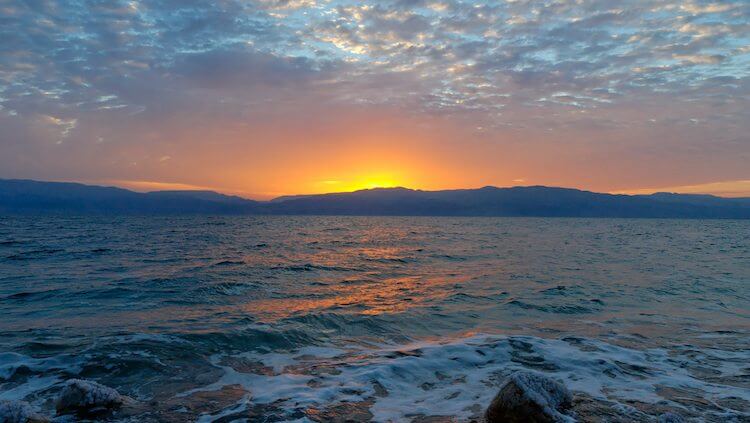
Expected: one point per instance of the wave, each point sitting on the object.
(34, 254)
(309, 267)
(459, 378)
(581, 307)
(222, 289)
(390, 382)
(31, 295)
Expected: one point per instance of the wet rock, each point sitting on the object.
(86, 398)
(347, 412)
(529, 397)
(210, 402)
(19, 412)
(671, 418)
(596, 410)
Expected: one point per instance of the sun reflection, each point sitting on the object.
(359, 296)
(361, 278)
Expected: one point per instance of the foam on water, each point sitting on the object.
(459, 378)
(43, 373)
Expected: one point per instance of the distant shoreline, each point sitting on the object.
(35, 197)
(60, 214)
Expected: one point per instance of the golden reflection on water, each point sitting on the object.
(368, 297)
(355, 278)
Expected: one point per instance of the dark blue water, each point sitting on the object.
(288, 318)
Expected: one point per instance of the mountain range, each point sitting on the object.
(36, 197)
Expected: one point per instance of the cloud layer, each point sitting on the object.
(600, 94)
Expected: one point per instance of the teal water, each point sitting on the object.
(287, 318)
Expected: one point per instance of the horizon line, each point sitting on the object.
(180, 187)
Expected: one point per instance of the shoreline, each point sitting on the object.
(432, 383)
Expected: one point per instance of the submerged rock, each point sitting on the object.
(345, 412)
(19, 412)
(671, 418)
(83, 397)
(529, 397)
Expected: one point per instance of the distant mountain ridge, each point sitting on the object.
(26, 196)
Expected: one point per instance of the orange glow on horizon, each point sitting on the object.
(348, 150)
(366, 181)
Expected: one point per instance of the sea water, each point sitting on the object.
(385, 319)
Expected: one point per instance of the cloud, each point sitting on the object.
(288, 4)
(240, 68)
(148, 186)
(528, 50)
(76, 73)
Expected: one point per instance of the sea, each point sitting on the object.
(385, 319)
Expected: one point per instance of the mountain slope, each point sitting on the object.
(23, 196)
(518, 201)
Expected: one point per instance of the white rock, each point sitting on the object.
(86, 397)
(530, 397)
(19, 412)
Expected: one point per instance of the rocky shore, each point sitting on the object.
(525, 397)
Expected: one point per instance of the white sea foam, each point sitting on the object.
(19, 412)
(44, 369)
(459, 378)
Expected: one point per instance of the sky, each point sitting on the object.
(263, 98)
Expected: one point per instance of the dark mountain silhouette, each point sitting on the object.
(23, 196)
(517, 201)
(200, 195)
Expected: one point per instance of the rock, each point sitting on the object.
(671, 418)
(345, 412)
(529, 397)
(19, 412)
(86, 398)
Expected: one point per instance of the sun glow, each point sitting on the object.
(369, 181)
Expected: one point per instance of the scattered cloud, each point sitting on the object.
(148, 186)
(77, 73)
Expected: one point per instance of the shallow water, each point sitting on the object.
(389, 319)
